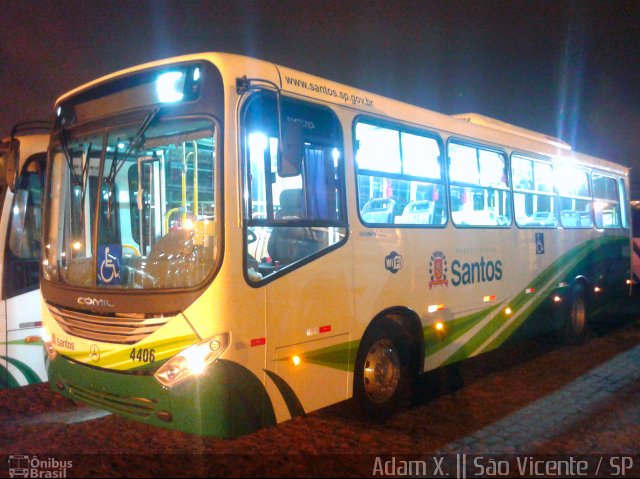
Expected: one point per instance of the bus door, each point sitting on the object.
(295, 234)
(23, 356)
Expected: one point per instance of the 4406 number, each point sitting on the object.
(143, 355)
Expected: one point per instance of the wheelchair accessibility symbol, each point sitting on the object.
(109, 260)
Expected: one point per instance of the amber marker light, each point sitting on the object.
(433, 308)
(597, 289)
(439, 326)
(296, 360)
(508, 311)
(557, 299)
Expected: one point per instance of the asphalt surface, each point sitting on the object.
(537, 398)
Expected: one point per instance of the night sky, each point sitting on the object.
(567, 69)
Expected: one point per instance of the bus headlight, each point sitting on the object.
(49, 348)
(192, 361)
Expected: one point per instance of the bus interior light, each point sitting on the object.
(192, 361)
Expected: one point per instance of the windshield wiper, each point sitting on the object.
(75, 180)
(115, 167)
(63, 142)
(85, 180)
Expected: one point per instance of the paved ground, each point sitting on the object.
(554, 415)
(536, 398)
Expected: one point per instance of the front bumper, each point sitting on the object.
(226, 401)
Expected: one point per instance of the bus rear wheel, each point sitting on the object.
(381, 373)
(575, 323)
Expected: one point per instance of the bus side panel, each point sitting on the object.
(24, 330)
(5, 203)
(310, 315)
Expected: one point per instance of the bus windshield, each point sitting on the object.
(133, 209)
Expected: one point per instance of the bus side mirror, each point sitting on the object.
(290, 155)
(9, 155)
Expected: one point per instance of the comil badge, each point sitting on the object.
(438, 270)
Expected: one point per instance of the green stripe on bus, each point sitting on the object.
(339, 356)
(7, 381)
(290, 399)
(581, 257)
(120, 356)
(30, 375)
(595, 249)
(22, 342)
(455, 329)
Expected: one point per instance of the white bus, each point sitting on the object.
(231, 243)
(22, 169)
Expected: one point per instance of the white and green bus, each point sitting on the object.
(231, 243)
(22, 169)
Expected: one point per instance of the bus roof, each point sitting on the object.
(471, 126)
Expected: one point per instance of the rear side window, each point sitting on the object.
(480, 194)
(533, 193)
(575, 197)
(606, 205)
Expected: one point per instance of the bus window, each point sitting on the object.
(290, 218)
(22, 257)
(606, 204)
(480, 193)
(534, 195)
(399, 177)
(575, 197)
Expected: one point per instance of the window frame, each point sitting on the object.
(618, 200)
(554, 194)
(509, 188)
(400, 128)
(560, 196)
(245, 203)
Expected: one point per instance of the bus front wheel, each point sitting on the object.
(381, 372)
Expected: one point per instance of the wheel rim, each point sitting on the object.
(381, 371)
(578, 315)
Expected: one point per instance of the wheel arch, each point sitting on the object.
(409, 324)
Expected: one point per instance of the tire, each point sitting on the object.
(381, 378)
(575, 322)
